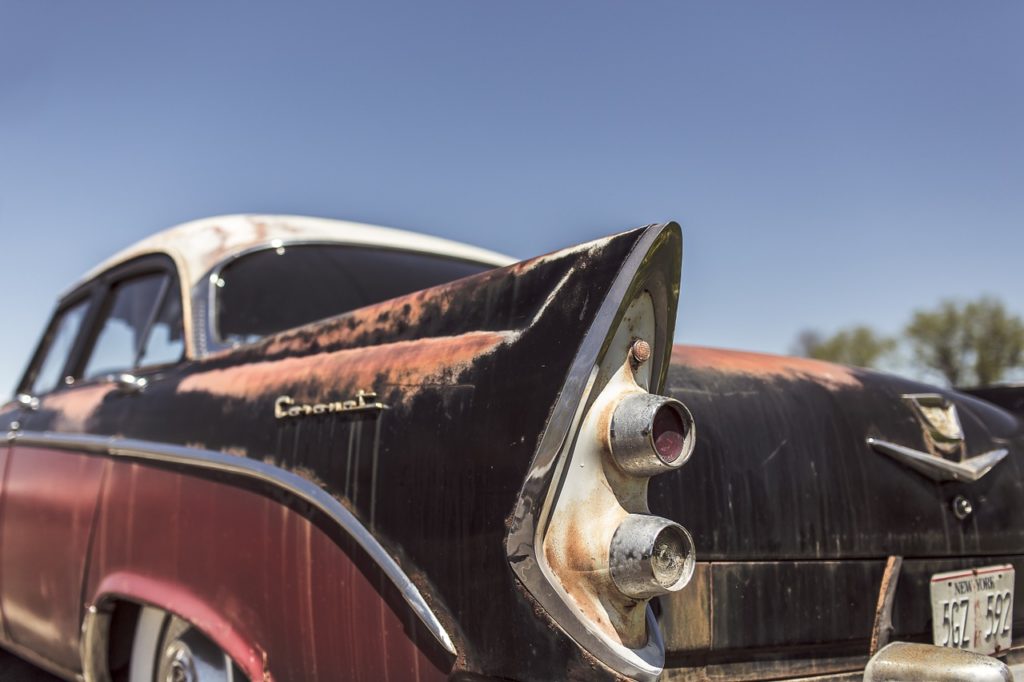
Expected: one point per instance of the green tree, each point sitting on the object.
(860, 346)
(968, 343)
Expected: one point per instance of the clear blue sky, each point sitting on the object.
(831, 162)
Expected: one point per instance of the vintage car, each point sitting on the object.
(283, 448)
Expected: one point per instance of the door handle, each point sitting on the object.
(129, 383)
(27, 402)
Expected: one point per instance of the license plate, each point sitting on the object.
(973, 608)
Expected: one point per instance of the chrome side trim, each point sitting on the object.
(970, 469)
(140, 450)
(94, 644)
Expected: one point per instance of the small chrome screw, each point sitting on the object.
(962, 507)
(640, 351)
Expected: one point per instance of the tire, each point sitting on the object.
(166, 648)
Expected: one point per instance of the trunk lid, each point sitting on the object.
(794, 514)
(783, 471)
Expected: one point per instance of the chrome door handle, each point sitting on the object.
(129, 383)
(26, 401)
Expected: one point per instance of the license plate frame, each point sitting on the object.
(972, 609)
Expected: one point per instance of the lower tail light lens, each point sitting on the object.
(650, 556)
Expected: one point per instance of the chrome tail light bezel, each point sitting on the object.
(652, 269)
(633, 434)
(636, 556)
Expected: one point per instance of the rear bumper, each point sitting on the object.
(816, 668)
(908, 661)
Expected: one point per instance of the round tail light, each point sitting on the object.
(650, 556)
(650, 434)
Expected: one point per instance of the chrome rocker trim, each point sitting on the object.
(140, 450)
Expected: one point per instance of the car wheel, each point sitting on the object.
(167, 648)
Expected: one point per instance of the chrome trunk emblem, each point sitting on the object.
(941, 423)
(944, 438)
(937, 468)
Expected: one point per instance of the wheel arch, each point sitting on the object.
(126, 590)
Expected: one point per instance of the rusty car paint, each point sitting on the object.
(734, 362)
(771, 441)
(783, 497)
(468, 372)
(781, 490)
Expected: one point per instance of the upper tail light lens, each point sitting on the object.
(669, 433)
(650, 434)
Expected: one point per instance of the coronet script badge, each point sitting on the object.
(946, 458)
(285, 406)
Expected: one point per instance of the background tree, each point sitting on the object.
(968, 343)
(860, 346)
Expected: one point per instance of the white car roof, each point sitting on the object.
(197, 246)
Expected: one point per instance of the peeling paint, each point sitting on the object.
(758, 364)
(408, 365)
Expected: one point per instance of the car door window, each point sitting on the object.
(65, 328)
(137, 306)
(166, 342)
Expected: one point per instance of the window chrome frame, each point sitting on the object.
(97, 291)
(104, 285)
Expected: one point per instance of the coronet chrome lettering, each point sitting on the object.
(286, 407)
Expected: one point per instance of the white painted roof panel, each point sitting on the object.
(199, 245)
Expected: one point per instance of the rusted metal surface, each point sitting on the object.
(650, 271)
(412, 366)
(765, 366)
(640, 351)
(791, 669)
(799, 515)
(787, 505)
(468, 373)
(883, 628)
(686, 615)
(782, 470)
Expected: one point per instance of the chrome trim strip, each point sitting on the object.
(937, 468)
(94, 644)
(257, 471)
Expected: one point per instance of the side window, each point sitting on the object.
(65, 328)
(140, 327)
(165, 343)
(268, 291)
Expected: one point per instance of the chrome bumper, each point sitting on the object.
(903, 662)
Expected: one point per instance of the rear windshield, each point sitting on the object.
(276, 289)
